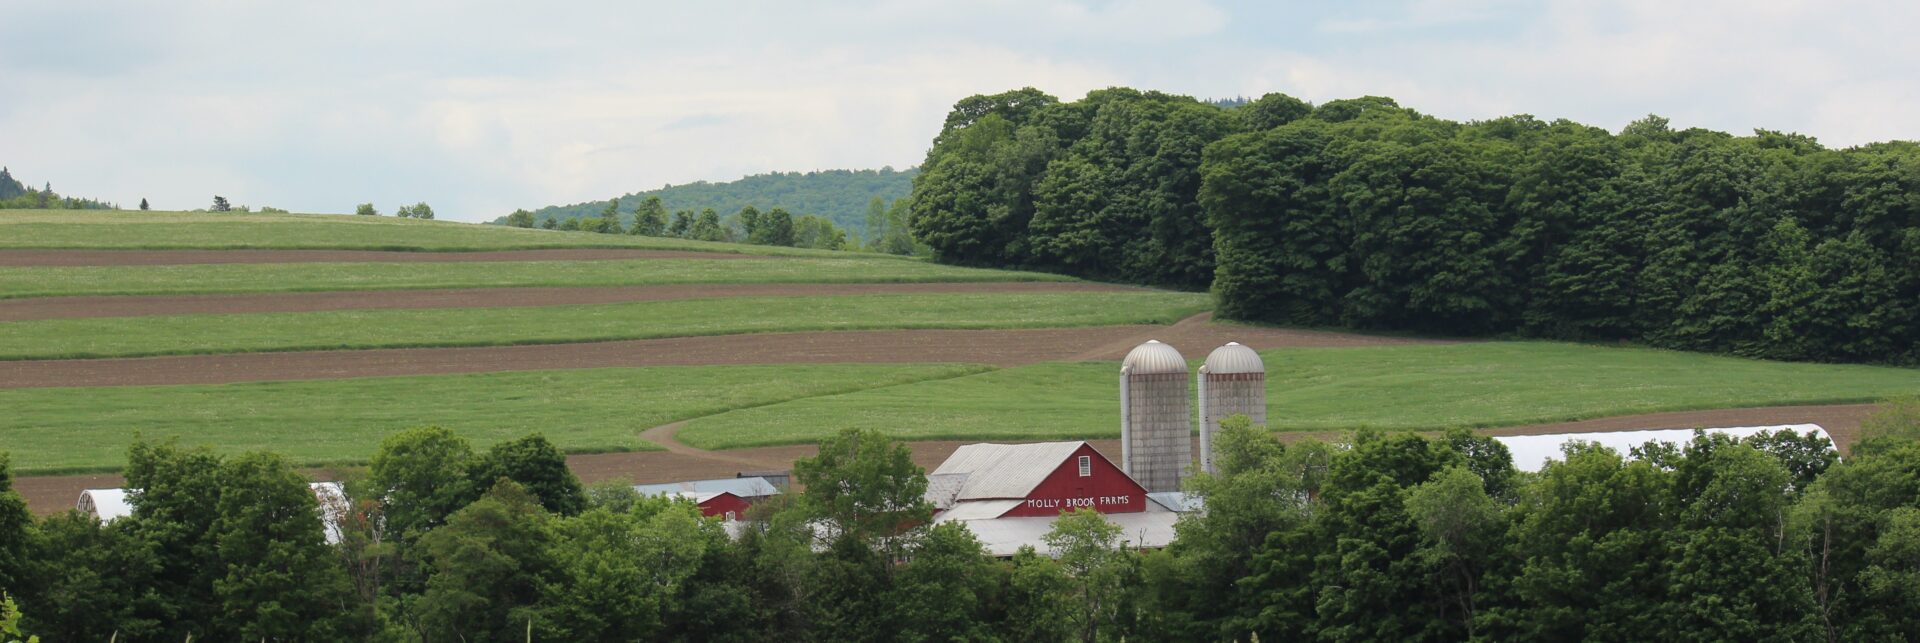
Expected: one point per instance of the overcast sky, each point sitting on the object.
(481, 107)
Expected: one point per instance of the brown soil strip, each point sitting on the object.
(175, 257)
(303, 302)
(996, 347)
(51, 494)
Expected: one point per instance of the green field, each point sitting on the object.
(130, 229)
(1328, 389)
(353, 329)
(341, 421)
(16, 282)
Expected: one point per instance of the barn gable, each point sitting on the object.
(1044, 479)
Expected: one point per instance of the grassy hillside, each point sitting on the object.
(840, 195)
(133, 229)
(359, 329)
(1329, 389)
(307, 277)
(337, 421)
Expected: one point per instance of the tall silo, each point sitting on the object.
(1232, 382)
(1156, 423)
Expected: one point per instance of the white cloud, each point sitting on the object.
(480, 108)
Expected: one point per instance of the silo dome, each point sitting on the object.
(1234, 358)
(1154, 357)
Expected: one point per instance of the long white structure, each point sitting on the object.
(1531, 452)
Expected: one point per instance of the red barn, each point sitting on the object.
(984, 481)
(720, 503)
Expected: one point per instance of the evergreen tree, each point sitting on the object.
(651, 218)
(143, 204)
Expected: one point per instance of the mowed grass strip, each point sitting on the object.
(70, 430)
(132, 229)
(194, 279)
(1328, 389)
(359, 329)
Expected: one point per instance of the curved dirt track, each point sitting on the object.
(51, 494)
(303, 302)
(1193, 337)
(20, 258)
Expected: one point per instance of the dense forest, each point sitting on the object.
(1365, 214)
(839, 196)
(1381, 537)
(16, 196)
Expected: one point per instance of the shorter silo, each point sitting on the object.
(1156, 422)
(1232, 382)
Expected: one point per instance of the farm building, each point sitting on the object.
(1043, 479)
(1531, 452)
(1009, 495)
(1156, 421)
(108, 505)
(1233, 381)
(724, 497)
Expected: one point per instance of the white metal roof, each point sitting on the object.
(1153, 357)
(1233, 358)
(997, 471)
(977, 510)
(743, 487)
(1176, 501)
(106, 504)
(1531, 452)
(1004, 536)
(943, 489)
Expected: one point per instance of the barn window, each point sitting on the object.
(1086, 466)
(729, 515)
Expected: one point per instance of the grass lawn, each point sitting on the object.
(133, 229)
(341, 421)
(188, 334)
(16, 282)
(1328, 389)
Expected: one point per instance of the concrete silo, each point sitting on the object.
(1232, 382)
(1156, 423)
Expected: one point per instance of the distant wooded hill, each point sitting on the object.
(839, 195)
(14, 194)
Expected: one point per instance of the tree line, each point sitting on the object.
(1380, 537)
(1365, 214)
(839, 196)
(15, 195)
(775, 227)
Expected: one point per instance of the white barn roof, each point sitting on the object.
(1531, 452)
(743, 487)
(997, 471)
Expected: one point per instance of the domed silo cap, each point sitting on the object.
(1234, 358)
(1152, 358)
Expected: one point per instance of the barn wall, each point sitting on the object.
(1108, 490)
(721, 504)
